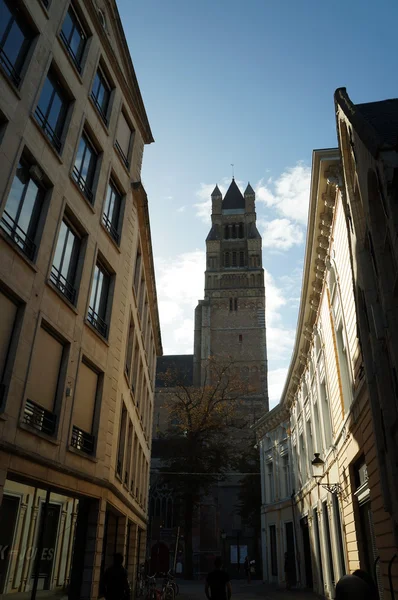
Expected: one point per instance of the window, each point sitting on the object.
(325, 415)
(226, 232)
(100, 94)
(21, 214)
(137, 272)
(110, 218)
(84, 408)
(241, 230)
(84, 169)
(63, 272)
(344, 368)
(99, 299)
(274, 550)
(235, 304)
(234, 231)
(74, 37)
(234, 261)
(241, 259)
(286, 475)
(15, 38)
(43, 382)
(129, 350)
(270, 477)
(231, 305)
(122, 441)
(51, 110)
(123, 139)
(226, 259)
(8, 311)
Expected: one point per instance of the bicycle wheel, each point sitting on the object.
(169, 593)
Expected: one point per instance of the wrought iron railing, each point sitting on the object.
(122, 154)
(96, 321)
(81, 440)
(39, 418)
(73, 56)
(99, 108)
(109, 227)
(9, 68)
(63, 284)
(81, 182)
(48, 130)
(18, 235)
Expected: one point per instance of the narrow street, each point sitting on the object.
(194, 590)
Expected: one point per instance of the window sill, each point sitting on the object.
(39, 433)
(78, 75)
(117, 246)
(12, 85)
(87, 201)
(18, 250)
(56, 154)
(62, 296)
(74, 450)
(104, 125)
(97, 333)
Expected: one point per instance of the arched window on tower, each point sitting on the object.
(235, 304)
(226, 259)
(234, 260)
(231, 307)
(234, 231)
(226, 232)
(241, 258)
(241, 232)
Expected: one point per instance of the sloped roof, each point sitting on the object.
(183, 363)
(249, 190)
(233, 198)
(253, 233)
(216, 192)
(214, 233)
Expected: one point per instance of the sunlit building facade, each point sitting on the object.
(79, 327)
(328, 525)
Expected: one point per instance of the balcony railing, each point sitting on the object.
(81, 440)
(39, 418)
(81, 182)
(63, 284)
(18, 235)
(99, 108)
(48, 130)
(122, 154)
(109, 227)
(97, 322)
(9, 68)
(73, 56)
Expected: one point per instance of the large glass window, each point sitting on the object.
(51, 110)
(74, 37)
(63, 271)
(15, 38)
(100, 94)
(99, 299)
(84, 169)
(111, 214)
(20, 216)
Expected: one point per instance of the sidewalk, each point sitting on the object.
(194, 590)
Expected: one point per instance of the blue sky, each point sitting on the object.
(249, 83)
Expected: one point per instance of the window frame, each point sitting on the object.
(112, 225)
(14, 71)
(84, 36)
(67, 285)
(100, 321)
(126, 160)
(86, 188)
(54, 136)
(103, 79)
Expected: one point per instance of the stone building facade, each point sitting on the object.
(229, 325)
(341, 524)
(79, 332)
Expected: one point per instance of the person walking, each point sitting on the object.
(218, 585)
(247, 567)
(116, 584)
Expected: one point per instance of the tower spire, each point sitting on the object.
(233, 171)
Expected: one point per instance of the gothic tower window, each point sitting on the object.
(235, 303)
(241, 259)
(234, 231)
(226, 232)
(231, 304)
(234, 261)
(226, 259)
(241, 234)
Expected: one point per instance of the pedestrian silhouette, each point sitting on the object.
(116, 585)
(218, 585)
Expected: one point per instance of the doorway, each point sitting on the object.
(46, 558)
(8, 518)
(307, 553)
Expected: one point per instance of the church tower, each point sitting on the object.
(230, 321)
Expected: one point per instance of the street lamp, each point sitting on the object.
(318, 473)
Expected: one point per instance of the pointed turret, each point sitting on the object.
(233, 198)
(249, 198)
(216, 192)
(216, 201)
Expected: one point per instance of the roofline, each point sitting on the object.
(320, 158)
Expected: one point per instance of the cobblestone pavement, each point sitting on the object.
(194, 590)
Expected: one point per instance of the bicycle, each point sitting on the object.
(173, 582)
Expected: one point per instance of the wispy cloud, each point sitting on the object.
(288, 194)
(281, 234)
(181, 209)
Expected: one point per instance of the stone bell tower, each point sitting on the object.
(230, 321)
